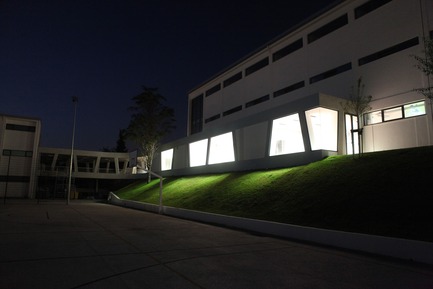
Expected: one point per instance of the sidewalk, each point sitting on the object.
(97, 245)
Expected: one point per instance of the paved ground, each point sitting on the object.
(96, 245)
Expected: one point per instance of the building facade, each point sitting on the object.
(30, 171)
(19, 142)
(283, 104)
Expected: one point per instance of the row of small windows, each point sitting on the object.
(19, 127)
(286, 137)
(360, 11)
(324, 75)
(394, 113)
(298, 44)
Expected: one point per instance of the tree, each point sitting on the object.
(358, 103)
(150, 121)
(425, 64)
(120, 144)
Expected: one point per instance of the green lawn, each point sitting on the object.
(384, 193)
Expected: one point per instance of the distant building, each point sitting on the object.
(30, 171)
(281, 105)
(19, 142)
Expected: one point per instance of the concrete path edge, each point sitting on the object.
(408, 250)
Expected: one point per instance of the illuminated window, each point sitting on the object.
(414, 109)
(198, 153)
(221, 149)
(392, 113)
(286, 136)
(373, 117)
(322, 126)
(352, 136)
(166, 160)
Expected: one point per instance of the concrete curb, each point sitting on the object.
(410, 250)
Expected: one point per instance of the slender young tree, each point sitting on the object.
(425, 64)
(150, 121)
(358, 103)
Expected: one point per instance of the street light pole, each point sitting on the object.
(75, 101)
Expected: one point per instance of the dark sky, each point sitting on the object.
(104, 51)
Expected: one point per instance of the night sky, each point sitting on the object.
(104, 51)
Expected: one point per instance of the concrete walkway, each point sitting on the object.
(97, 245)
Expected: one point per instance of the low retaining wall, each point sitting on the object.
(412, 250)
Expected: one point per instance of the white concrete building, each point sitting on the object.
(30, 171)
(281, 105)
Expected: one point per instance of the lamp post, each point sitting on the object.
(75, 101)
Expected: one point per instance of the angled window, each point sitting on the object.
(212, 118)
(289, 88)
(322, 126)
(232, 110)
(257, 66)
(388, 51)
(257, 101)
(328, 28)
(233, 79)
(369, 7)
(212, 90)
(166, 160)
(287, 50)
(198, 153)
(331, 72)
(221, 149)
(286, 136)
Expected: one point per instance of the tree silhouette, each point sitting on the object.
(425, 64)
(358, 103)
(150, 121)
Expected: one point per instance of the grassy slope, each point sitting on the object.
(383, 193)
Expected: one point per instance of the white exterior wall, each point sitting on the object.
(390, 79)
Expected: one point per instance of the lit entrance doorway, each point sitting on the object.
(352, 134)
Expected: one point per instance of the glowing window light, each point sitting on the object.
(286, 137)
(414, 109)
(198, 153)
(166, 160)
(221, 149)
(352, 140)
(373, 117)
(392, 113)
(322, 126)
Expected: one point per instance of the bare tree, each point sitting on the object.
(425, 64)
(358, 103)
(150, 121)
